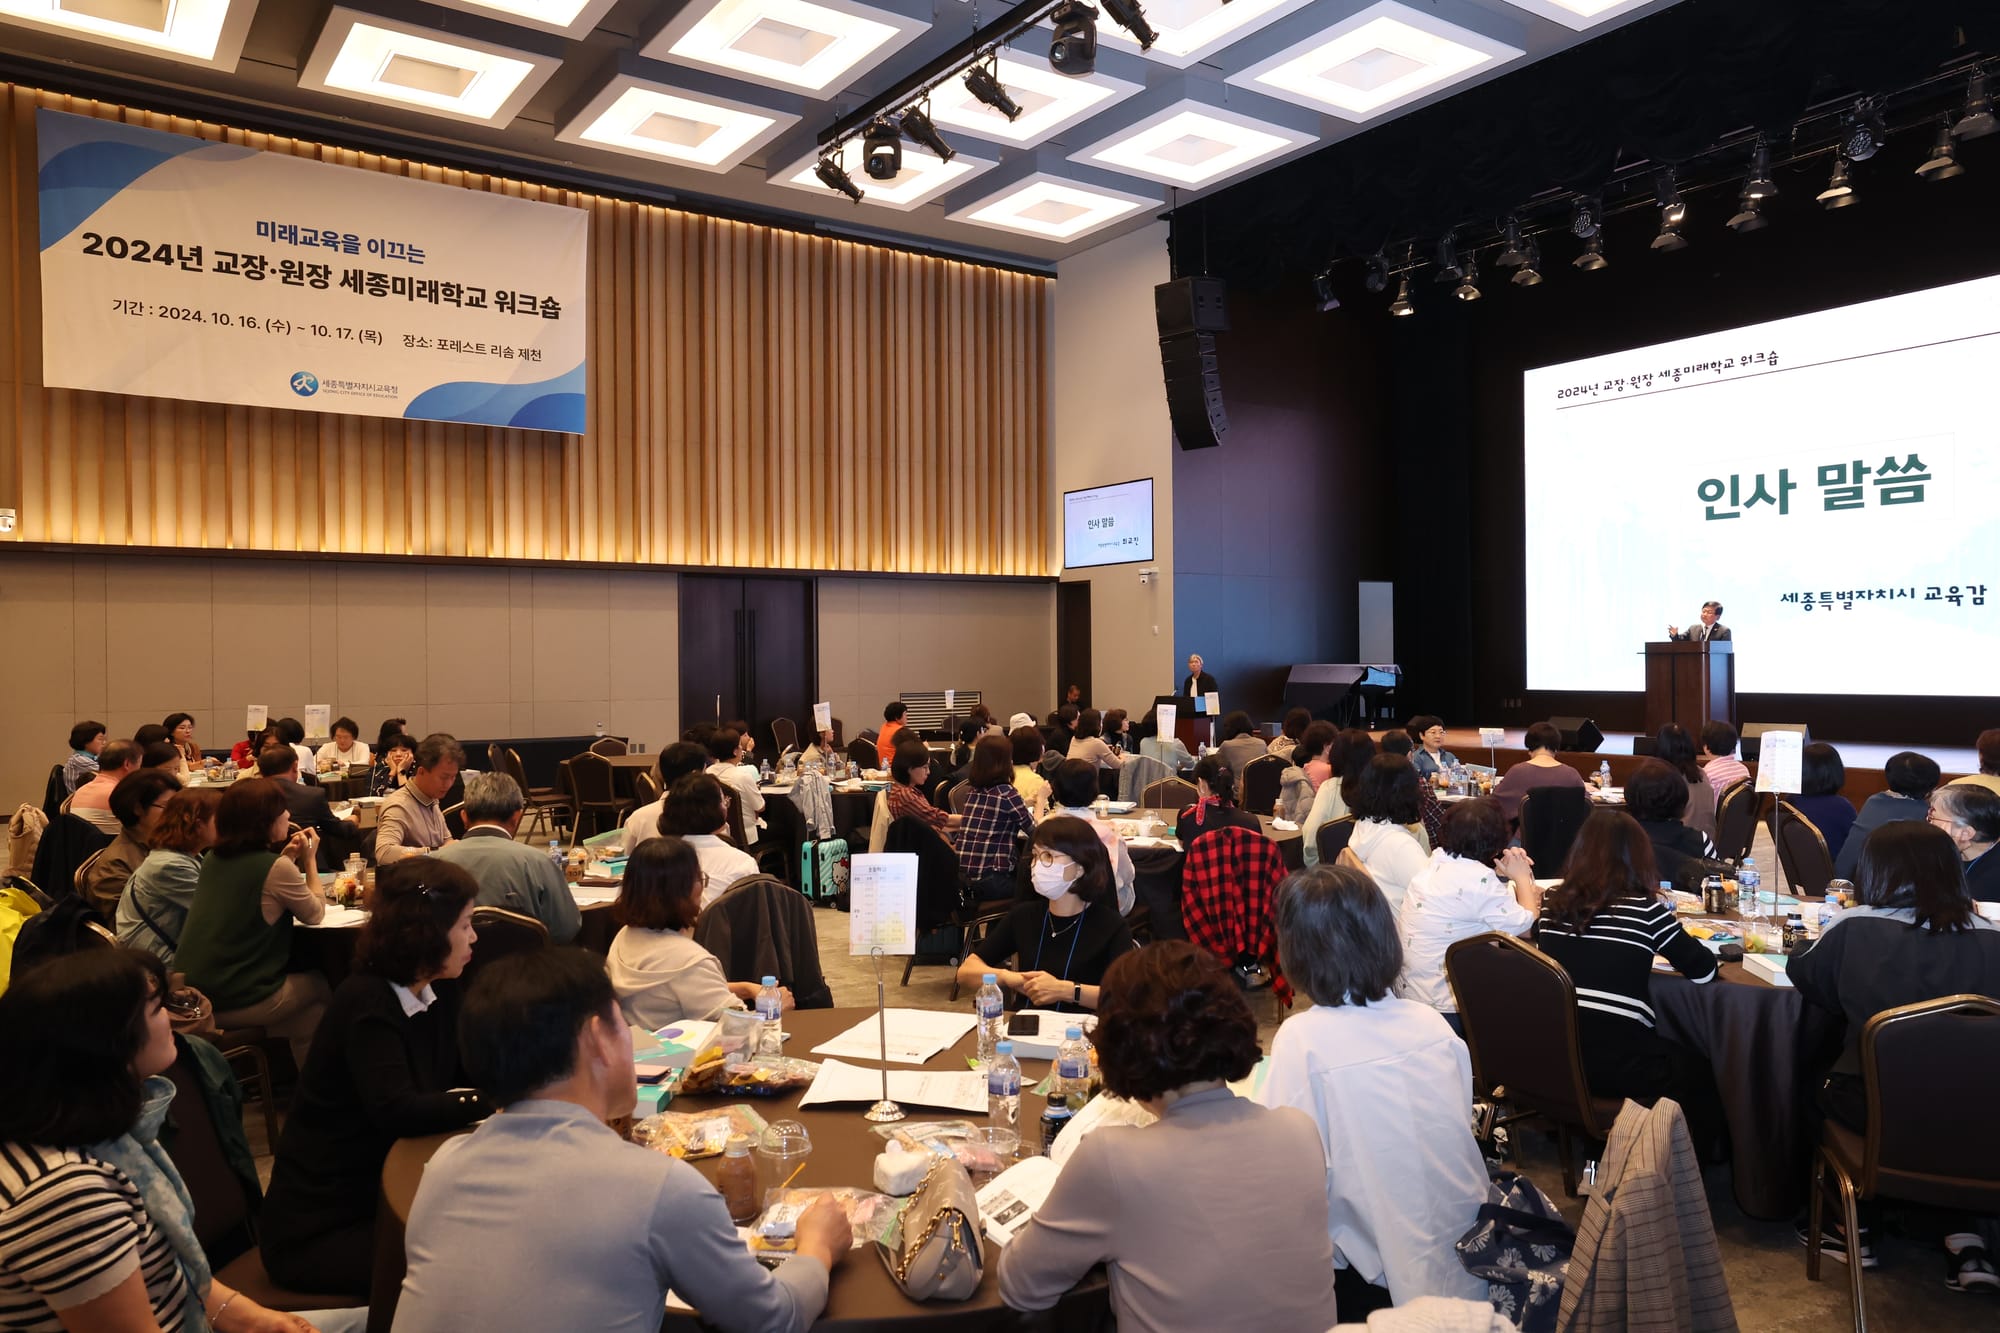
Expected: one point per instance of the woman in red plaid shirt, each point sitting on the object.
(910, 770)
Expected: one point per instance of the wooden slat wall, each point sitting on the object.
(759, 398)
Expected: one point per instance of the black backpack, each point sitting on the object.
(66, 928)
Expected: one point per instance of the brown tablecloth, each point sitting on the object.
(862, 1295)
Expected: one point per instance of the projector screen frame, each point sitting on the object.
(1152, 522)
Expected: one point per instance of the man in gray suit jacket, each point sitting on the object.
(1710, 630)
(510, 874)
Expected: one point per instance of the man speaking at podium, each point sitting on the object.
(1710, 630)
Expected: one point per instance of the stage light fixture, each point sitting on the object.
(1865, 132)
(983, 82)
(1401, 305)
(1073, 48)
(1378, 272)
(1977, 121)
(1586, 218)
(1839, 191)
(1323, 297)
(1511, 254)
(1749, 215)
(1592, 257)
(1528, 273)
(1943, 163)
(1468, 286)
(831, 175)
(1673, 213)
(1758, 184)
(917, 124)
(882, 149)
(1131, 16)
(1448, 269)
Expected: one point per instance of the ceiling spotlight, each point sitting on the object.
(1592, 257)
(1978, 120)
(1323, 297)
(1758, 184)
(1672, 213)
(1749, 215)
(882, 151)
(1447, 260)
(917, 124)
(1865, 130)
(1528, 273)
(1073, 48)
(1468, 286)
(983, 82)
(1401, 305)
(1942, 164)
(1378, 272)
(1512, 255)
(1131, 16)
(1839, 191)
(833, 178)
(1586, 218)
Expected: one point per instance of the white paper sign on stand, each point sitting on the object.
(1165, 714)
(255, 716)
(882, 891)
(950, 700)
(1212, 703)
(318, 719)
(822, 718)
(1780, 756)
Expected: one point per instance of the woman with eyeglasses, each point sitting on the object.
(384, 1066)
(1067, 934)
(661, 975)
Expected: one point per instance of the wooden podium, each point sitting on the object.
(1689, 683)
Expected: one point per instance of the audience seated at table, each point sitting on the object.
(661, 975)
(1167, 749)
(96, 1229)
(244, 753)
(163, 756)
(1028, 780)
(346, 749)
(1214, 803)
(993, 815)
(293, 733)
(892, 726)
(1430, 810)
(614, 1225)
(1971, 815)
(1426, 733)
(1059, 728)
(153, 907)
(1240, 743)
(86, 742)
(1118, 730)
(695, 813)
(384, 1066)
(1385, 804)
(1656, 796)
(726, 766)
(824, 753)
(1387, 1082)
(1913, 935)
(91, 801)
(236, 945)
(1822, 775)
(1089, 745)
(1286, 743)
(1603, 924)
(909, 770)
(1912, 777)
(1473, 883)
(1074, 788)
(1540, 769)
(394, 763)
(1347, 760)
(1214, 1216)
(510, 874)
(1719, 763)
(1675, 748)
(411, 821)
(1067, 934)
(136, 803)
(676, 762)
(391, 728)
(180, 731)
(1315, 751)
(1988, 775)
(309, 807)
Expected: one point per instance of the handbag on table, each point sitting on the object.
(938, 1254)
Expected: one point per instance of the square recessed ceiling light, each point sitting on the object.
(922, 178)
(400, 64)
(571, 18)
(1190, 30)
(1051, 208)
(1382, 58)
(1579, 14)
(815, 45)
(1191, 144)
(1049, 101)
(652, 120)
(197, 32)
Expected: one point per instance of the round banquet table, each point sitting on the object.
(862, 1295)
(853, 813)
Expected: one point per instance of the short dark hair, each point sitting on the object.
(277, 761)
(699, 733)
(1421, 723)
(992, 762)
(244, 817)
(1388, 789)
(722, 744)
(1089, 723)
(1296, 721)
(1714, 606)
(346, 724)
(1074, 782)
(1718, 738)
(136, 791)
(398, 741)
(1079, 842)
(1475, 830)
(523, 1014)
(439, 747)
(83, 733)
(661, 889)
(1352, 750)
(1912, 774)
(1170, 1015)
(1337, 938)
(1114, 722)
(1968, 803)
(391, 728)
(680, 759)
(1988, 745)
(893, 711)
(911, 754)
(1219, 776)
(69, 1031)
(1027, 743)
(1236, 724)
(119, 754)
(150, 734)
(291, 731)
(1820, 771)
(173, 721)
(1908, 864)
(159, 754)
(1611, 858)
(1654, 790)
(411, 910)
(179, 829)
(1397, 742)
(1675, 747)
(694, 804)
(1543, 736)
(1314, 740)
(1067, 715)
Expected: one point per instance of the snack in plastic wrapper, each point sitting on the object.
(691, 1135)
(871, 1215)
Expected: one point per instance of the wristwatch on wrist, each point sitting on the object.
(1076, 993)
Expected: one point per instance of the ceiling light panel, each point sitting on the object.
(1050, 102)
(1191, 144)
(921, 180)
(814, 45)
(1191, 30)
(1050, 208)
(645, 119)
(1374, 62)
(195, 32)
(1580, 14)
(402, 65)
(571, 18)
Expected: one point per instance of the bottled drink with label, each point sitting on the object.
(1003, 1088)
(1073, 1065)
(771, 1009)
(991, 1008)
(1747, 881)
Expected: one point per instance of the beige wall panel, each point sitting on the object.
(468, 625)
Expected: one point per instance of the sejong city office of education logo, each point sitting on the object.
(304, 383)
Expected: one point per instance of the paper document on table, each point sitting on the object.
(337, 915)
(951, 1090)
(1780, 756)
(1008, 1202)
(915, 1035)
(882, 893)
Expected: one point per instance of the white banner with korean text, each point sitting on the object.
(173, 267)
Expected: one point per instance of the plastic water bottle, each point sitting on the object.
(1073, 1065)
(1003, 1088)
(1747, 881)
(771, 1009)
(556, 855)
(853, 770)
(1604, 775)
(991, 1007)
(764, 772)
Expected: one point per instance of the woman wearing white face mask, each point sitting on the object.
(1066, 935)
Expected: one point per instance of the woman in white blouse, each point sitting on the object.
(1474, 883)
(661, 975)
(1088, 743)
(346, 749)
(1383, 803)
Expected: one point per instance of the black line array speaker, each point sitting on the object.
(1579, 733)
(1190, 312)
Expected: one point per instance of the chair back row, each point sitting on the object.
(1737, 812)
(1262, 777)
(1802, 850)
(1518, 1006)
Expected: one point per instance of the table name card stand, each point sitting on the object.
(885, 1111)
